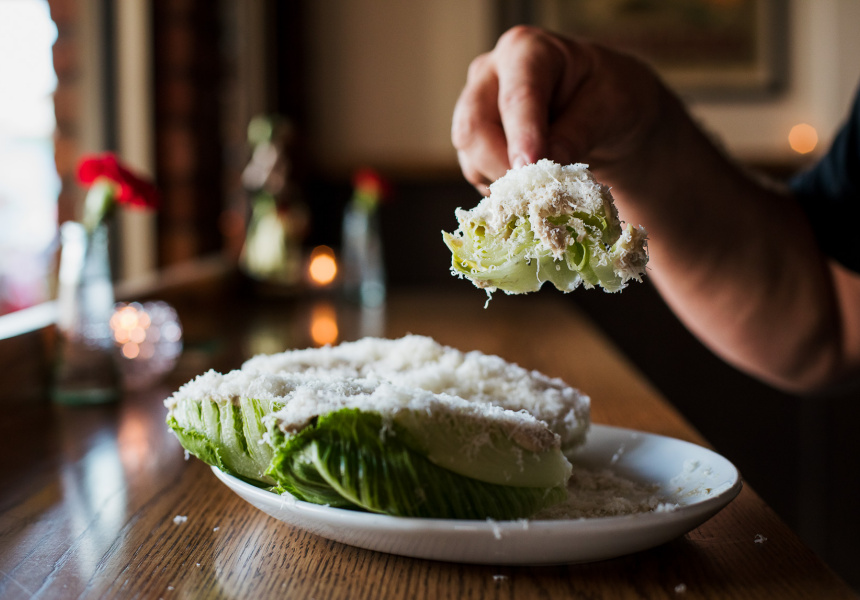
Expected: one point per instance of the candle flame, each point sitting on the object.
(322, 268)
(130, 324)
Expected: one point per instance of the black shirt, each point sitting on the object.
(829, 193)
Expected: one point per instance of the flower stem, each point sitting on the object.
(98, 204)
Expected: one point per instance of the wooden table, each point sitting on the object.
(88, 495)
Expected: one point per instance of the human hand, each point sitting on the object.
(537, 95)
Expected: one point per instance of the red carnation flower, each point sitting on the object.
(369, 181)
(131, 190)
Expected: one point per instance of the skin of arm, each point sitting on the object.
(732, 255)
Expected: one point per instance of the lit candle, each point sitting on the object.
(129, 324)
(322, 268)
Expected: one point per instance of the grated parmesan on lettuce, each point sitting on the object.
(405, 427)
(546, 222)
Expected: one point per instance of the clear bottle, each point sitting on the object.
(364, 267)
(86, 360)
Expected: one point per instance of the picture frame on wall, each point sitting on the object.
(704, 49)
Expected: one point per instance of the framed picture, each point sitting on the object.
(704, 49)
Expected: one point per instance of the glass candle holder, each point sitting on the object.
(149, 339)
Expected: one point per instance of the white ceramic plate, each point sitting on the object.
(700, 481)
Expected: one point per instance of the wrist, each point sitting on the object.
(652, 157)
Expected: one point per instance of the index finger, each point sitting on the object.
(476, 129)
(528, 70)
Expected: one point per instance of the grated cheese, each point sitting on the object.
(554, 190)
(421, 367)
(602, 493)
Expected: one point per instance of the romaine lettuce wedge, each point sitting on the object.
(421, 362)
(225, 434)
(368, 444)
(351, 459)
(546, 222)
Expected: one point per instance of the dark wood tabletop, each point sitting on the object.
(89, 495)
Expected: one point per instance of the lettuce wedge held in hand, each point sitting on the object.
(546, 222)
(363, 441)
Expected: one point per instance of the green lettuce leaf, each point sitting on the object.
(351, 459)
(517, 262)
(546, 223)
(226, 435)
(357, 460)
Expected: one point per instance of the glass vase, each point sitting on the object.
(364, 269)
(86, 362)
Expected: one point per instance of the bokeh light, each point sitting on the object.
(803, 138)
(324, 329)
(322, 268)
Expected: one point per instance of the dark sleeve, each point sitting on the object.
(829, 193)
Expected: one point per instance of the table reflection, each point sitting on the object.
(94, 491)
(323, 324)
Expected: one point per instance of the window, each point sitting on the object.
(29, 184)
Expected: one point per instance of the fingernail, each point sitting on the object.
(560, 153)
(519, 161)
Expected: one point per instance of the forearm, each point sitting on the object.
(735, 259)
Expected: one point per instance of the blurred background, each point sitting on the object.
(172, 87)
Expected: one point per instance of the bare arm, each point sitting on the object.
(734, 258)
